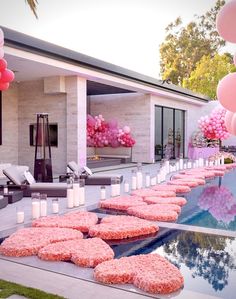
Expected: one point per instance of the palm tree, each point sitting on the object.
(33, 6)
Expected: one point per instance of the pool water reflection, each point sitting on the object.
(207, 262)
(212, 205)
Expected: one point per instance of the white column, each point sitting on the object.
(76, 114)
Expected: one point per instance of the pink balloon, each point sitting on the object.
(230, 122)
(226, 22)
(113, 124)
(7, 76)
(226, 92)
(4, 86)
(126, 129)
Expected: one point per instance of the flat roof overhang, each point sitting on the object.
(22, 42)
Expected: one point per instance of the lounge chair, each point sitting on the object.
(21, 178)
(90, 178)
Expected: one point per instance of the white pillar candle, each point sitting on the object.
(43, 208)
(134, 183)
(218, 161)
(189, 165)
(153, 181)
(207, 163)
(70, 198)
(158, 178)
(181, 164)
(185, 166)
(102, 192)
(81, 195)
(20, 217)
(76, 199)
(177, 166)
(126, 187)
(147, 180)
(211, 163)
(35, 210)
(139, 177)
(55, 206)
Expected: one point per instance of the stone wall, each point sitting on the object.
(9, 147)
(32, 100)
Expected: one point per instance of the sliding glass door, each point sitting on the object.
(169, 132)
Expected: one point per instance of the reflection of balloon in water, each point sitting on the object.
(226, 92)
(226, 22)
(219, 202)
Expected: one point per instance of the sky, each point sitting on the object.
(123, 32)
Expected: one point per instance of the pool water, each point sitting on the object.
(212, 205)
(207, 262)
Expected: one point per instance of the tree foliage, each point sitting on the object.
(33, 6)
(205, 77)
(184, 46)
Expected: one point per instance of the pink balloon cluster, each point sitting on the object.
(226, 89)
(213, 126)
(101, 133)
(219, 202)
(6, 76)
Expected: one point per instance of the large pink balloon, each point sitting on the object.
(226, 92)
(230, 122)
(7, 76)
(226, 22)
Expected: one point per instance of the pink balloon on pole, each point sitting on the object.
(7, 76)
(226, 22)
(226, 92)
(230, 122)
(4, 86)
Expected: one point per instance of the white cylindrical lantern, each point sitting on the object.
(153, 181)
(147, 179)
(126, 187)
(134, 180)
(35, 209)
(181, 164)
(81, 191)
(20, 216)
(55, 206)
(102, 192)
(70, 198)
(76, 194)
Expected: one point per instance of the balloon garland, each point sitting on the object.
(226, 89)
(6, 75)
(101, 133)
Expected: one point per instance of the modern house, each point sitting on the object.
(68, 85)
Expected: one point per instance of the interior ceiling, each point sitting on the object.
(27, 70)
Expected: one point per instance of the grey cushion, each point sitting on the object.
(48, 186)
(16, 174)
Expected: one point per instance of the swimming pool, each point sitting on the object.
(206, 261)
(212, 205)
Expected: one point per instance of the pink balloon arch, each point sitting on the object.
(101, 133)
(226, 89)
(6, 75)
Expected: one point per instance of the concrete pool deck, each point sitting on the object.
(65, 284)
